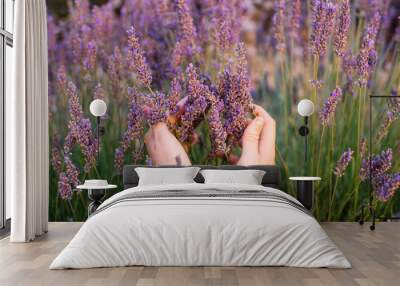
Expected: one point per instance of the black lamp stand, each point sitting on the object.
(100, 130)
(303, 131)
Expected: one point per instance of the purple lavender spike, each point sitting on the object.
(136, 59)
(386, 185)
(343, 162)
(367, 55)
(295, 21)
(328, 111)
(340, 41)
(195, 106)
(323, 21)
(64, 187)
(279, 24)
(380, 164)
(72, 171)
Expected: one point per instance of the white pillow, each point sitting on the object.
(248, 177)
(165, 176)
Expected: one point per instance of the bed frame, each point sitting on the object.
(270, 179)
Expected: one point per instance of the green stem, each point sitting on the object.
(332, 199)
(72, 210)
(331, 148)
(314, 99)
(320, 150)
(55, 211)
(337, 65)
(284, 94)
(359, 121)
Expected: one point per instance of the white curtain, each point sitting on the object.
(27, 148)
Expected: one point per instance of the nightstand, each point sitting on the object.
(96, 195)
(305, 191)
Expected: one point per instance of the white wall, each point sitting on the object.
(8, 86)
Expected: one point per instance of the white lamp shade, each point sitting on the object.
(305, 107)
(98, 107)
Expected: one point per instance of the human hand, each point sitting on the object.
(258, 140)
(164, 148)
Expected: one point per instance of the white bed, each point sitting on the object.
(246, 225)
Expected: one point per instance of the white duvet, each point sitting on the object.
(204, 231)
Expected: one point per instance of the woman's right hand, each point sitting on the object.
(258, 140)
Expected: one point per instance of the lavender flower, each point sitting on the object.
(342, 28)
(386, 185)
(278, 25)
(343, 162)
(52, 31)
(195, 106)
(392, 114)
(64, 187)
(234, 89)
(349, 65)
(226, 31)
(328, 111)
(363, 147)
(241, 84)
(62, 79)
(80, 130)
(80, 12)
(136, 59)
(118, 159)
(218, 134)
(364, 61)
(56, 159)
(174, 95)
(186, 45)
(138, 152)
(379, 164)
(323, 20)
(115, 70)
(134, 129)
(186, 26)
(316, 83)
(72, 171)
(75, 109)
(157, 108)
(295, 21)
(98, 92)
(102, 21)
(89, 62)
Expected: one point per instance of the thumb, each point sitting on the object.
(251, 138)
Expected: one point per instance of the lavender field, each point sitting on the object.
(199, 66)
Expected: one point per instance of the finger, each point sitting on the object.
(248, 120)
(150, 146)
(250, 141)
(267, 138)
(167, 149)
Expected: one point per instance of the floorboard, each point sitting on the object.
(374, 255)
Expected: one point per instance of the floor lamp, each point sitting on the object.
(98, 108)
(305, 108)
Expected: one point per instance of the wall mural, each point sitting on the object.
(214, 82)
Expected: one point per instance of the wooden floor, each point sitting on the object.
(375, 257)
